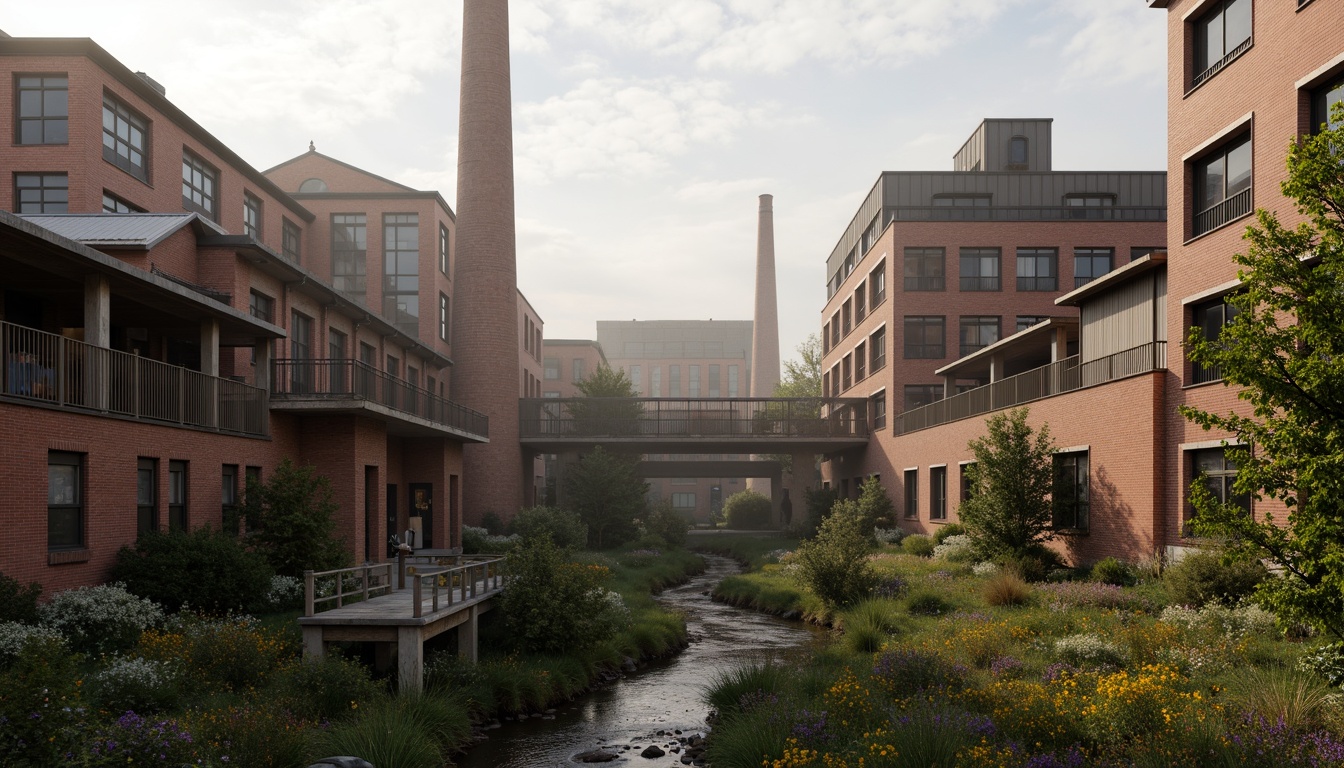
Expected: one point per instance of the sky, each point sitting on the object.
(645, 130)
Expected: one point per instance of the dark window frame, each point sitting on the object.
(401, 272)
(253, 213)
(50, 197)
(1033, 259)
(1070, 496)
(1212, 208)
(972, 263)
(146, 495)
(178, 495)
(65, 500)
(126, 135)
(350, 254)
(445, 246)
(291, 240)
(113, 203)
(920, 395)
(1204, 62)
(445, 316)
(40, 118)
(1321, 101)
(878, 404)
(877, 285)
(980, 322)
(910, 494)
(1091, 257)
(1219, 474)
(925, 269)
(877, 350)
(1210, 317)
(938, 493)
(925, 350)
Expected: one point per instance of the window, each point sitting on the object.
(1026, 321)
(846, 318)
(694, 384)
(912, 493)
(1070, 503)
(146, 496)
(199, 185)
(1221, 35)
(43, 109)
(847, 367)
(336, 351)
(261, 306)
(860, 309)
(878, 404)
(925, 338)
(41, 193)
(291, 241)
(877, 350)
(300, 336)
(1090, 207)
(1090, 263)
(733, 381)
(656, 381)
(636, 378)
(443, 317)
(65, 500)
(920, 395)
(978, 333)
(313, 186)
(125, 138)
(683, 500)
(877, 285)
(924, 269)
(1210, 318)
(228, 491)
(349, 252)
(1017, 153)
(251, 216)
(980, 269)
(114, 204)
(576, 370)
(1219, 474)
(860, 362)
(835, 329)
(674, 381)
(1222, 185)
(961, 208)
(552, 371)
(715, 374)
(967, 487)
(177, 495)
(937, 493)
(443, 249)
(1037, 269)
(401, 271)
(1323, 100)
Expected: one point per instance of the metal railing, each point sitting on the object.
(1030, 213)
(675, 417)
(1218, 65)
(36, 366)
(979, 283)
(1056, 378)
(925, 283)
(1217, 215)
(295, 379)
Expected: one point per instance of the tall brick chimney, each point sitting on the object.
(765, 321)
(485, 312)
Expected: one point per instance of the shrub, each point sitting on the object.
(328, 688)
(818, 502)
(551, 605)
(747, 510)
(918, 545)
(834, 564)
(666, 523)
(494, 524)
(904, 672)
(18, 602)
(606, 490)
(130, 683)
(1234, 623)
(564, 527)
(1089, 650)
(1011, 481)
(955, 549)
(1111, 570)
(476, 541)
(1007, 588)
(285, 594)
(232, 653)
(135, 740)
(1326, 661)
(1033, 565)
(944, 531)
(102, 619)
(40, 705)
(875, 505)
(889, 535)
(1207, 576)
(14, 636)
(293, 517)
(926, 603)
(207, 570)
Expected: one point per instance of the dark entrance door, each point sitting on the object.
(370, 509)
(422, 506)
(392, 520)
(454, 523)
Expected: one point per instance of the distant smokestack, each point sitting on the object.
(765, 325)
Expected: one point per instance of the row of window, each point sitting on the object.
(714, 381)
(578, 369)
(1070, 496)
(980, 268)
(869, 357)
(868, 295)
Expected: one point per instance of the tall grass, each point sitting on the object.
(1299, 700)
(755, 551)
(728, 690)
(405, 731)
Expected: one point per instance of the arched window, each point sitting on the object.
(313, 185)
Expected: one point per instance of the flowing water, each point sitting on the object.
(664, 696)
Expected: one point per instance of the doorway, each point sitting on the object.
(392, 520)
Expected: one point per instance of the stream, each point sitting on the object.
(664, 696)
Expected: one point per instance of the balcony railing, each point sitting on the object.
(1056, 378)
(1216, 216)
(42, 367)
(1030, 213)
(604, 417)
(294, 379)
(1218, 65)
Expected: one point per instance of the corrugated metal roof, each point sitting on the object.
(124, 230)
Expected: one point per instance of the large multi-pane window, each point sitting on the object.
(925, 338)
(1221, 34)
(938, 493)
(349, 254)
(252, 215)
(694, 382)
(43, 104)
(1222, 185)
(920, 395)
(551, 369)
(674, 381)
(576, 372)
(146, 495)
(1037, 269)
(401, 271)
(200, 182)
(961, 208)
(924, 269)
(877, 350)
(980, 269)
(715, 372)
(656, 381)
(1090, 207)
(261, 306)
(877, 285)
(1070, 499)
(65, 500)
(683, 501)
(1091, 263)
(177, 495)
(41, 193)
(1219, 474)
(878, 404)
(1026, 321)
(1323, 101)
(125, 138)
(977, 333)
(732, 381)
(291, 241)
(114, 204)
(444, 245)
(1210, 318)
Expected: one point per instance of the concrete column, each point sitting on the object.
(97, 333)
(486, 346)
(1059, 345)
(261, 373)
(949, 386)
(996, 363)
(410, 659)
(210, 347)
(466, 637)
(313, 647)
(765, 325)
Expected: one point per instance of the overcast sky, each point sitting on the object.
(646, 129)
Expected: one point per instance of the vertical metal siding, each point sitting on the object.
(1119, 319)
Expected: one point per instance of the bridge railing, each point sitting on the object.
(661, 417)
(473, 577)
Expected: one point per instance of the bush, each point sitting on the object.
(1207, 576)
(666, 523)
(944, 531)
(103, 619)
(1007, 588)
(889, 535)
(834, 564)
(926, 603)
(955, 549)
(1009, 509)
(918, 545)
(748, 511)
(293, 517)
(1111, 570)
(40, 705)
(285, 594)
(135, 684)
(1326, 661)
(551, 605)
(14, 636)
(17, 602)
(565, 528)
(233, 653)
(1088, 650)
(328, 688)
(477, 541)
(1033, 565)
(207, 570)
(818, 503)
(875, 505)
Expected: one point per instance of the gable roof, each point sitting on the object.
(122, 230)
(313, 154)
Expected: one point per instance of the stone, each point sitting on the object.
(343, 761)
(652, 751)
(596, 756)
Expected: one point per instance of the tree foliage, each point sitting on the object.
(607, 407)
(748, 511)
(874, 505)
(802, 379)
(553, 605)
(293, 517)
(835, 564)
(605, 489)
(1285, 350)
(1009, 511)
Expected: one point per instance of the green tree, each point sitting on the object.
(1284, 348)
(874, 505)
(552, 605)
(605, 489)
(835, 564)
(293, 517)
(607, 407)
(748, 510)
(802, 379)
(1009, 511)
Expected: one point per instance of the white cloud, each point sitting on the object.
(720, 190)
(1118, 41)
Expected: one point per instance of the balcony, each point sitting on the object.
(1057, 378)
(45, 369)
(349, 386)
(1217, 215)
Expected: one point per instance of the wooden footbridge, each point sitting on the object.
(399, 606)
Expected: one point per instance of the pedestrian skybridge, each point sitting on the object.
(694, 425)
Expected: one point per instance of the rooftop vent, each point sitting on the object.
(152, 83)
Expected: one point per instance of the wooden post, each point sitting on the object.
(308, 593)
(410, 659)
(466, 636)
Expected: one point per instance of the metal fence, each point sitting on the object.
(677, 417)
(1217, 215)
(48, 368)
(1056, 378)
(295, 379)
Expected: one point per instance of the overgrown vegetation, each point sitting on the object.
(292, 517)
(748, 511)
(605, 489)
(1009, 511)
(554, 605)
(206, 569)
(834, 564)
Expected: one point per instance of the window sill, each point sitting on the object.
(1222, 226)
(66, 556)
(1203, 384)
